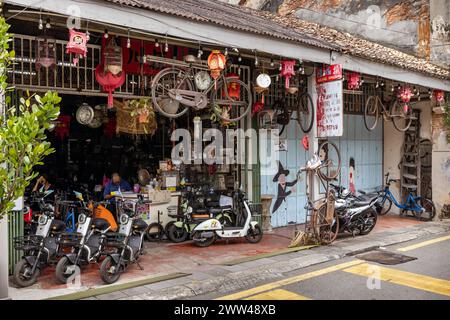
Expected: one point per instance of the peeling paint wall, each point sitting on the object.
(402, 24)
(440, 32)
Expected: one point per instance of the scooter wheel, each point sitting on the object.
(203, 242)
(155, 232)
(19, 277)
(255, 234)
(60, 271)
(109, 270)
(176, 234)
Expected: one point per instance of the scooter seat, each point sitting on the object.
(201, 211)
(100, 224)
(365, 201)
(139, 225)
(58, 226)
(216, 211)
(212, 204)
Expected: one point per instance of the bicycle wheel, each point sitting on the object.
(282, 115)
(429, 210)
(305, 112)
(231, 108)
(324, 232)
(164, 81)
(331, 161)
(384, 206)
(371, 113)
(401, 115)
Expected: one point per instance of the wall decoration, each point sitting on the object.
(287, 71)
(351, 176)
(353, 80)
(77, 45)
(45, 52)
(283, 186)
(330, 110)
(329, 73)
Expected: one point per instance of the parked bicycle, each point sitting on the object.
(400, 113)
(175, 90)
(422, 208)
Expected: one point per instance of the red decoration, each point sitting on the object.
(257, 108)
(287, 71)
(77, 44)
(353, 80)
(234, 88)
(216, 63)
(405, 94)
(305, 143)
(109, 82)
(62, 128)
(329, 73)
(439, 96)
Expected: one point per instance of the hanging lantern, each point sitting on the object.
(45, 52)
(112, 56)
(77, 45)
(234, 88)
(62, 128)
(109, 82)
(439, 96)
(257, 108)
(287, 71)
(216, 63)
(353, 80)
(405, 94)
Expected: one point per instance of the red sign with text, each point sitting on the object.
(329, 73)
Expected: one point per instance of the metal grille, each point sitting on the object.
(355, 101)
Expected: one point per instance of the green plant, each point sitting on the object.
(22, 132)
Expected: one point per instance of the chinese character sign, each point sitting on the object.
(330, 109)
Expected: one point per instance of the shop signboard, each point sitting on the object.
(330, 109)
(329, 73)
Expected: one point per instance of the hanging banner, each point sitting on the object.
(329, 73)
(330, 109)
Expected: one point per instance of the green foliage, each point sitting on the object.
(22, 132)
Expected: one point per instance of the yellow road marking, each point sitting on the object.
(403, 278)
(287, 281)
(423, 244)
(278, 294)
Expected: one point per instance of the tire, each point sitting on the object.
(397, 113)
(176, 234)
(326, 234)
(371, 110)
(203, 242)
(18, 277)
(430, 209)
(155, 232)
(305, 108)
(155, 97)
(105, 273)
(60, 270)
(369, 214)
(254, 235)
(243, 87)
(385, 207)
(324, 173)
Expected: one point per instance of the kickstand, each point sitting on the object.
(140, 267)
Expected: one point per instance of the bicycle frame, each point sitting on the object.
(410, 203)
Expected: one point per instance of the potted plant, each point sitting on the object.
(142, 109)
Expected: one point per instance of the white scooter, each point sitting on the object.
(208, 231)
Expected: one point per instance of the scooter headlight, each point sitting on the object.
(124, 219)
(82, 218)
(42, 219)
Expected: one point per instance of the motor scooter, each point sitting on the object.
(208, 231)
(39, 249)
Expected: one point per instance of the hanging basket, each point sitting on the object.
(126, 123)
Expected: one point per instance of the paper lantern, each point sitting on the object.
(109, 82)
(77, 45)
(112, 57)
(234, 88)
(353, 80)
(62, 128)
(45, 53)
(216, 63)
(439, 96)
(257, 108)
(287, 71)
(405, 94)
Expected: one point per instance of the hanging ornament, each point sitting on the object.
(216, 64)
(287, 71)
(234, 88)
(439, 96)
(62, 127)
(45, 52)
(305, 143)
(405, 94)
(353, 81)
(77, 45)
(257, 108)
(112, 54)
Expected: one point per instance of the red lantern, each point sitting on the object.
(62, 128)
(216, 63)
(439, 96)
(77, 44)
(353, 81)
(109, 82)
(405, 94)
(287, 71)
(234, 88)
(257, 108)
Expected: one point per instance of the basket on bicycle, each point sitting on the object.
(70, 239)
(26, 243)
(115, 239)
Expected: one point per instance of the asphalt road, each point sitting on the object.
(426, 278)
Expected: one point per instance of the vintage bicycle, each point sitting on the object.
(422, 208)
(400, 113)
(175, 90)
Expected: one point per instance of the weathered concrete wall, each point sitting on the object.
(440, 32)
(402, 24)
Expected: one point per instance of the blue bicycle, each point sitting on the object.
(421, 208)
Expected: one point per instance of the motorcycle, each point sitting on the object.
(128, 242)
(357, 214)
(208, 231)
(40, 249)
(196, 207)
(88, 244)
